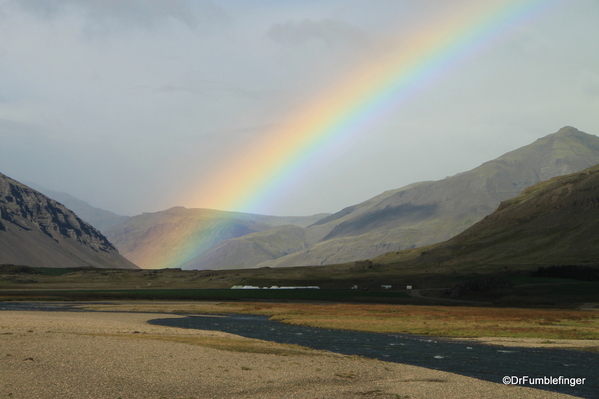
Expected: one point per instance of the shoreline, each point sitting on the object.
(185, 308)
(118, 354)
(188, 308)
(542, 343)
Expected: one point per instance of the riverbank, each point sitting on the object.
(118, 354)
(541, 328)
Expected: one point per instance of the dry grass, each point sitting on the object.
(175, 307)
(436, 320)
(243, 345)
(442, 321)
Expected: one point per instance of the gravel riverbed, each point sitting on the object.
(119, 355)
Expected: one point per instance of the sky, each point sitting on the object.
(141, 105)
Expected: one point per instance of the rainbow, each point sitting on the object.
(246, 181)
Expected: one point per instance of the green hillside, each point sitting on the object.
(555, 222)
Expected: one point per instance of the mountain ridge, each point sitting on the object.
(151, 239)
(101, 219)
(424, 213)
(38, 231)
(418, 214)
(548, 224)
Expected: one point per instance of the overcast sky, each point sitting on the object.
(131, 104)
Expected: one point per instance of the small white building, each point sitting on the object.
(274, 287)
(245, 287)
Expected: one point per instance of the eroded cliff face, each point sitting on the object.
(29, 209)
(38, 231)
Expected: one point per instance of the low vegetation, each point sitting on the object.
(442, 321)
(584, 273)
(438, 321)
(230, 344)
(528, 307)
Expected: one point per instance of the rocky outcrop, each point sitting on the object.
(38, 231)
(99, 218)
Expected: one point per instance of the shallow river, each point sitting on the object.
(479, 361)
(484, 362)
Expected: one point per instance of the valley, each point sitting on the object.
(416, 215)
(524, 276)
(299, 199)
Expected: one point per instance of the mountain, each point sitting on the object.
(99, 218)
(427, 212)
(555, 222)
(40, 232)
(251, 249)
(178, 237)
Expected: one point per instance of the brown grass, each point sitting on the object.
(442, 321)
(244, 345)
(435, 320)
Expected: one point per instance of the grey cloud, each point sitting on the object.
(590, 84)
(41, 8)
(168, 91)
(330, 32)
(145, 14)
(212, 89)
(30, 153)
(174, 89)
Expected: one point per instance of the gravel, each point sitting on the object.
(107, 355)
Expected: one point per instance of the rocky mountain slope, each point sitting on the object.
(419, 214)
(178, 237)
(99, 218)
(38, 231)
(555, 222)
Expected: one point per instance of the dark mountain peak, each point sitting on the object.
(39, 231)
(101, 219)
(20, 203)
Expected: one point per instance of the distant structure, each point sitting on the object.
(386, 287)
(274, 287)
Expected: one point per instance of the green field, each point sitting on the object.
(210, 294)
(24, 283)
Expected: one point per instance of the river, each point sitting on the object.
(484, 362)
